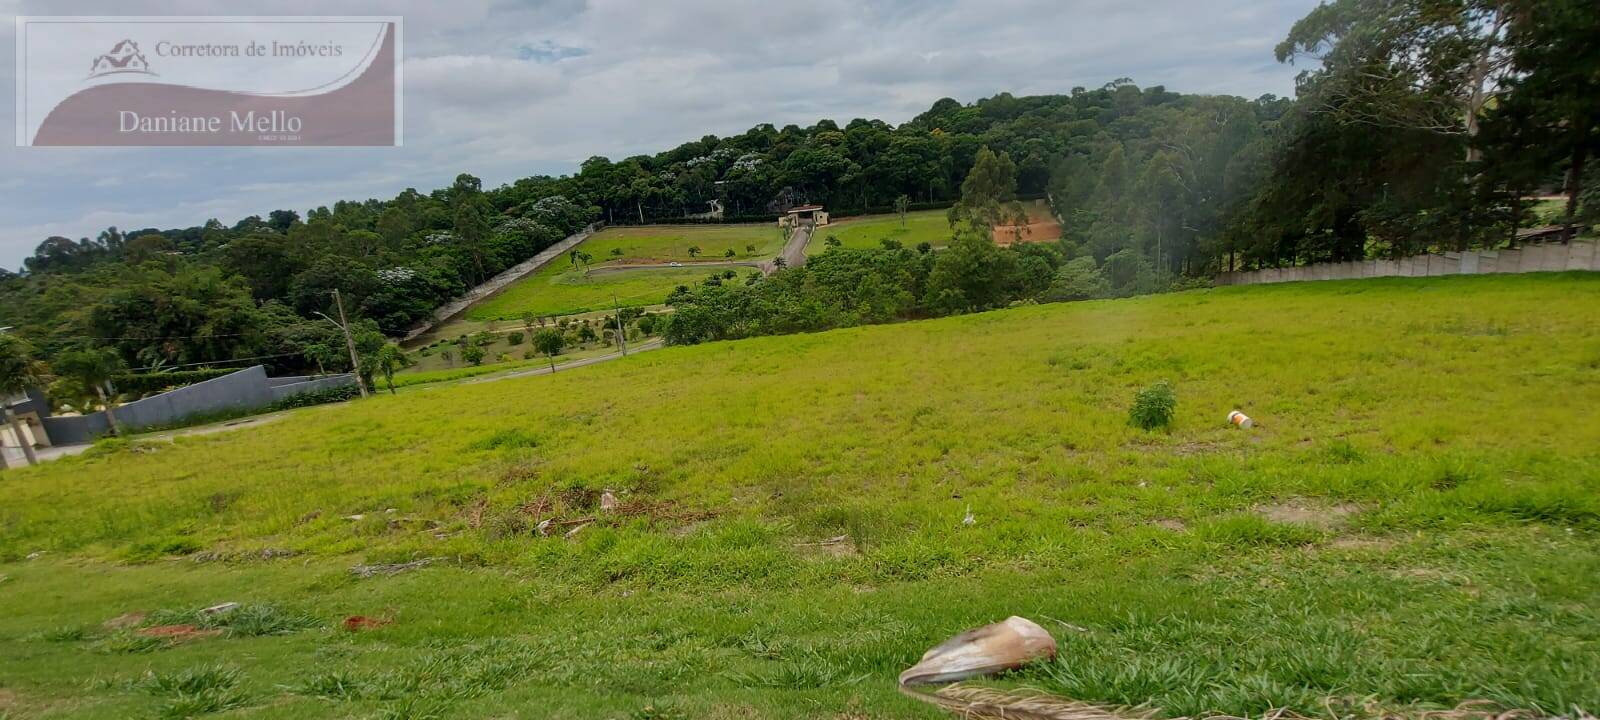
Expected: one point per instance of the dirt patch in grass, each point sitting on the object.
(1308, 512)
(1172, 524)
(357, 623)
(834, 547)
(1362, 543)
(1006, 235)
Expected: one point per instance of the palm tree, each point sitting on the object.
(94, 368)
(19, 370)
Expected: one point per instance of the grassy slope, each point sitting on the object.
(557, 289)
(667, 243)
(867, 232)
(1454, 416)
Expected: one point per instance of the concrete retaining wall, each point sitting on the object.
(499, 282)
(1547, 257)
(248, 389)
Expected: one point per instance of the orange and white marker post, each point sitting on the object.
(1241, 420)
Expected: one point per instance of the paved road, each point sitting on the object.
(794, 251)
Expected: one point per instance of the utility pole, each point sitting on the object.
(16, 424)
(622, 333)
(349, 342)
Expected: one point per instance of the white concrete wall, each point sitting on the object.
(1546, 257)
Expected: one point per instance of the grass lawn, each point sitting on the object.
(930, 226)
(1413, 522)
(1549, 212)
(558, 289)
(671, 243)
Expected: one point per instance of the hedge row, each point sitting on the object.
(340, 393)
(148, 383)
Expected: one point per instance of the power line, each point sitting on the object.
(141, 337)
(217, 362)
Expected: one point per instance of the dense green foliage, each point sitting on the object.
(1423, 125)
(259, 289)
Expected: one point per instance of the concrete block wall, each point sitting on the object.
(76, 429)
(247, 389)
(242, 390)
(1546, 257)
(305, 384)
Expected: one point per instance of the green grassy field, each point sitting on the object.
(931, 226)
(434, 370)
(1412, 523)
(558, 289)
(668, 243)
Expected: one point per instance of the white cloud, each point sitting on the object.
(505, 90)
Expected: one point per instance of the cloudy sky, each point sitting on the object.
(505, 89)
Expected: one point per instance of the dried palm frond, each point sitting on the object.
(1017, 641)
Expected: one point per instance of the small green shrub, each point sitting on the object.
(1153, 407)
(195, 691)
(317, 397)
(190, 681)
(243, 621)
(127, 643)
(66, 633)
(515, 338)
(335, 684)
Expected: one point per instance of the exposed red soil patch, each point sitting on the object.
(357, 623)
(1041, 227)
(1005, 235)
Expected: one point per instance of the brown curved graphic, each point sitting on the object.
(360, 113)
